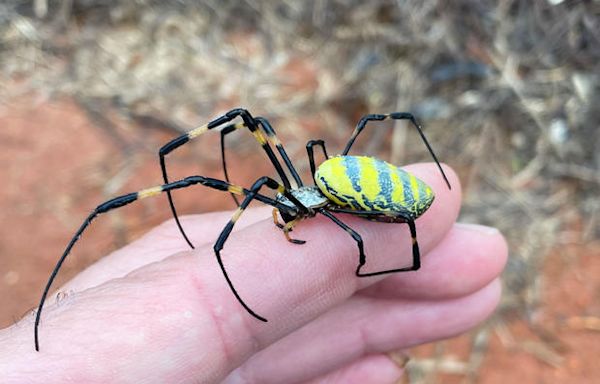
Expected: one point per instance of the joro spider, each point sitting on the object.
(363, 186)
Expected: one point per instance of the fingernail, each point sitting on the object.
(483, 229)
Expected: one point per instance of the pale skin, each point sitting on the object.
(156, 312)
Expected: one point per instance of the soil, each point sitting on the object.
(559, 343)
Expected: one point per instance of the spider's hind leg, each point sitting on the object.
(416, 255)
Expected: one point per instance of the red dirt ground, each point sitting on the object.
(54, 166)
(563, 343)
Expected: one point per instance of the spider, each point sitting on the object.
(359, 185)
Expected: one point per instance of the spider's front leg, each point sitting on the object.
(273, 140)
(129, 198)
(248, 122)
(260, 183)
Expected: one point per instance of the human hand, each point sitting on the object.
(155, 311)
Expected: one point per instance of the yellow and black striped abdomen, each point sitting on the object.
(369, 184)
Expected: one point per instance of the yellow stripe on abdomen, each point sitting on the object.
(368, 179)
(398, 186)
(414, 187)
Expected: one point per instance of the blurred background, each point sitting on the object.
(508, 93)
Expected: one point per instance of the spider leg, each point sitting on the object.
(311, 154)
(416, 256)
(276, 219)
(416, 262)
(248, 121)
(396, 116)
(271, 137)
(129, 198)
(274, 140)
(362, 258)
(287, 227)
(253, 193)
(225, 131)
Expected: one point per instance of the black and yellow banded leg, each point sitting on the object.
(395, 116)
(253, 193)
(248, 121)
(271, 137)
(274, 140)
(129, 198)
(228, 129)
(287, 227)
(311, 154)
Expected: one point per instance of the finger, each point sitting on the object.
(378, 369)
(162, 241)
(364, 325)
(180, 308)
(466, 260)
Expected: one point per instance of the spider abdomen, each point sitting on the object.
(369, 184)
